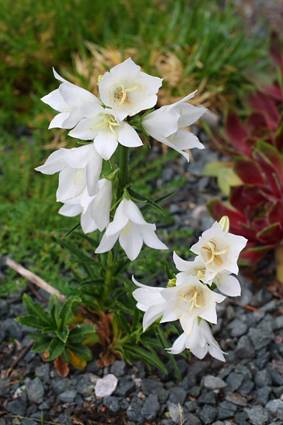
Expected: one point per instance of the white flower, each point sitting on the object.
(94, 210)
(225, 282)
(200, 342)
(127, 90)
(106, 130)
(131, 229)
(149, 300)
(187, 301)
(78, 168)
(72, 103)
(168, 125)
(219, 250)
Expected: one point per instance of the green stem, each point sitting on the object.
(123, 180)
(123, 170)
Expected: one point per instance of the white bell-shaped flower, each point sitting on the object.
(169, 123)
(200, 342)
(132, 231)
(219, 250)
(187, 301)
(225, 282)
(78, 168)
(127, 90)
(106, 130)
(71, 101)
(150, 301)
(94, 210)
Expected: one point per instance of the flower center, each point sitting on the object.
(200, 273)
(121, 94)
(107, 122)
(194, 298)
(211, 254)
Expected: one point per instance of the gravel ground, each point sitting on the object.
(246, 390)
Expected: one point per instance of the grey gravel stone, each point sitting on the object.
(191, 405)
(191, 419)
(112, 403)
(125, 387)
(262, 378)
(257, 415)
(35, 391)
(134, 410)
(151, 385)
(275, 407)
(226, 409)
(151, 407)
(235, 380)
(13, 329)
(207, 397)
(118, 368)
(260, 338)
(241, 418)
(213, 382)
(244, 348)
(86, 384)
(42, 372)
(246, 387)
(28, 422)
(238, 327)
(208, 414)
(177, 395)
(276, 377)
(262, 394)
(17, 407)
(237, 399)
(278, 323)
(67, 396)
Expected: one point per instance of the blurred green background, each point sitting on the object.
(192, 44)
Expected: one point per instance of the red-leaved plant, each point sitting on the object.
(255, 207)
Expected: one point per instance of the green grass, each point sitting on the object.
(35, 35)
(209, 40)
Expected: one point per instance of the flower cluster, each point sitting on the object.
(124, 92)
(192, 296)
(102, 198)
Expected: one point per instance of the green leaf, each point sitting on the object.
(81, 351)
(35, 310)
(150, 357)
(66, 313)
(40, 343)
(55, 349)
(226, 176)
(83, 332)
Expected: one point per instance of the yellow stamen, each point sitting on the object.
(211, 254)
(121, 93)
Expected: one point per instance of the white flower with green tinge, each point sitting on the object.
(78, 168)
(71, 101)
(225, 282)
(219, 250)
(187, 301)
(200, 342)
(169, 123)
(94, 210)
(132, 231)
(127, 90)
(105, 129)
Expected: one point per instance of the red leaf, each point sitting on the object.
(275, 92)
(253, 254)
(267, 107)
(237, 134)
(271, 234)
(249, 172)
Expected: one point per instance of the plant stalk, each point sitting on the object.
(122, 182)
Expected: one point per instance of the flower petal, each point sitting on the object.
(228, 285)
(59, 120)
(181, 265)
(105, 143)
(131, 241)
(179, 344)
(127, 136)
(106, 243)
(150, 238)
